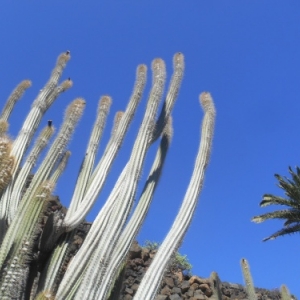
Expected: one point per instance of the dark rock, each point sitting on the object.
(175, 297)
(135, 251)
(129, 291)
(198, 297)
(194, 286)
(185, 285)
(205, 288)
(166, 291)
(161, 297)
(176, 290)
(169, 281)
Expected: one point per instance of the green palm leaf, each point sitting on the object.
(291, 214)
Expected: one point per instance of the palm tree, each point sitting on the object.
(291, 214)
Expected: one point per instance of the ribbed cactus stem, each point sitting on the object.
(38, 109)
(29, 127)
(27, 167)
(132, 227)
(73, 114)
(117, 120)
(64, 86)
(285, 294)
(141, 145)
(25, 222)
(116, 141)
(61, 167)
(13, 98)
(89, 159)
(248, 279)
(52, 273)
(6, 162)
(127, 193)
(150, 283)
(101, 171)
(215, 286)
(13, 276)
(175, 83)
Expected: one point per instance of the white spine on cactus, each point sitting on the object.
(150, 283)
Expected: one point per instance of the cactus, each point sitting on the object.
(35, 245)
(215, 285)
(285, 294)
(248, 279)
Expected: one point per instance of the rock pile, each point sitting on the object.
(178, 286)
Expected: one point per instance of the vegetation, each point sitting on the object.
(291, 214)
(37, 239)
(178, 262)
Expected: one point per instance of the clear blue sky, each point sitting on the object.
(246, 53)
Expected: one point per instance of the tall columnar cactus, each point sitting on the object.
(36, 245)
(248, 279)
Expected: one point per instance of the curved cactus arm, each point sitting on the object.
(129, 185)
(13, 98)
(100, 224)
(30, 125)
(175, 83)
(89, 159)
(64, 86)
(121, 129)
(248, 280)
(20, 182)
(73, 113)
(39, 107)
(129, 233)
(150, 283)
(99, 176)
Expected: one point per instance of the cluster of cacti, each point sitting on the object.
(35, 244)
(215, 284)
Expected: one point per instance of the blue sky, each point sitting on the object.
(246, 53)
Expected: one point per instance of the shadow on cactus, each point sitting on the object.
(39, 255)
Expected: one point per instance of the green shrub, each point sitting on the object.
(179, 262)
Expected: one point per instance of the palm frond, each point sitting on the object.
(286, 230)
(269, 199)
(278, 214)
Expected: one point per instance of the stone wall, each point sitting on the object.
(177, 286)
